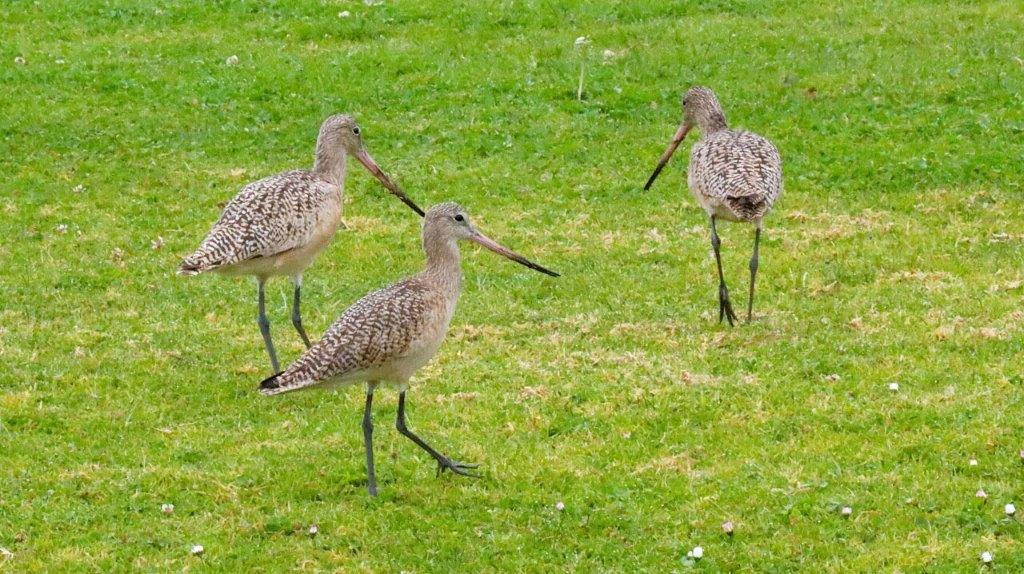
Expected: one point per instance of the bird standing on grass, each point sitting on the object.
(386, 336)
(278, 225)
(735, 176)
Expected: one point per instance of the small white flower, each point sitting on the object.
(847, 511)
(197, 550)
(59, 61)
(19, 60)
(697, 553)
(559, 506)
(1010, 509)
(973, 462)
(344, 14)
(167, 508)
(581, 41)
(728, 527)
(62, 228)
(986, 557)
(980, 494)
(608, 54)
(894, 386)
(313, 530)
(232, 60)
(78, 188)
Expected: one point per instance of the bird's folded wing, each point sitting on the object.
(267, 217)
(378, 328)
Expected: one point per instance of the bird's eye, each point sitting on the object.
(459, 217)
(355, 130)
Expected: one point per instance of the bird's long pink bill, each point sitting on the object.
(364, 158)
(506, 252)
(676, 140)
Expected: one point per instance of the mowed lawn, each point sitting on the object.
(896, 255)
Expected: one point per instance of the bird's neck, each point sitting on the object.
(330, 163)
(444, 265)
(712, 121)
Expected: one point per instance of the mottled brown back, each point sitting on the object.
(378, 328)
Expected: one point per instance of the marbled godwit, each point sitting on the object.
(389, 334)
(734, 175)
(278, 225)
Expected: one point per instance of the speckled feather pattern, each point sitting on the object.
(377, 331)
(267, 217)
(739, 169)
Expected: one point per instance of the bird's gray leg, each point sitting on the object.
(443, 462)
(371, 474)
(296, 314)
(753, 272)
(265, 329)
(724, 306)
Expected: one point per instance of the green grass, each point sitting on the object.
(895, 254)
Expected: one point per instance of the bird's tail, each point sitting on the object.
(272, 384)
(197, 263)
(284, 382)
(748, 207)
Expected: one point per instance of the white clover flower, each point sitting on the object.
(1010, 509)
(581, 41)
(559, 506)
(167, 508)
(197, 550)
(847, 511)
(986, 557)
(727, 527)
(313, 530)
(981, 494)
(973, 462)
(696, 553)
(344, 14)
(232, 60)
(894, 386)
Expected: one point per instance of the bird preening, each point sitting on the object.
(386, 336)
(734, 175)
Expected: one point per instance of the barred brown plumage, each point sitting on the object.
(734, 175)
(388, 335)
(279, 224)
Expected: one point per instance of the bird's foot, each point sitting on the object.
(462, 468)
(724, 306)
